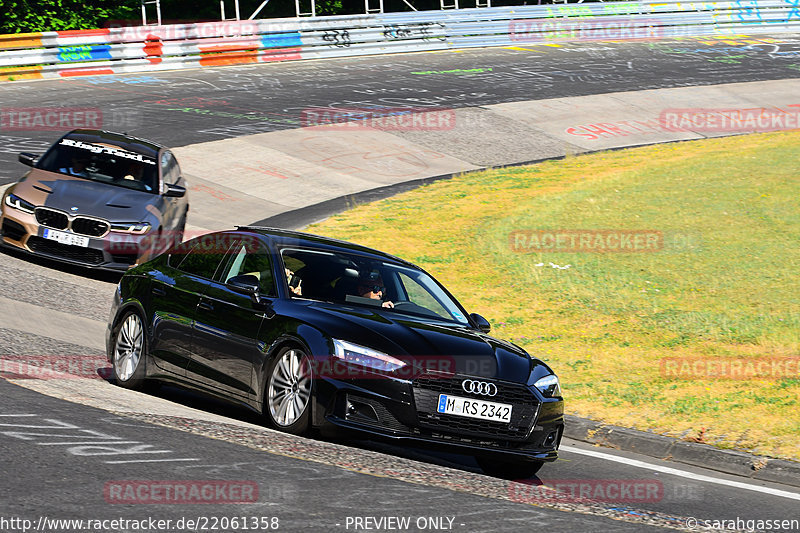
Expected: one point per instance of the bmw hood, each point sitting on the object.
(102, 200)
(430, 345)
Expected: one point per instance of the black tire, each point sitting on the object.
(288, 391)
(128, 358)
(506, 469)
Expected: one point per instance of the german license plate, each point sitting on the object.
(66, 238)
(473, 408)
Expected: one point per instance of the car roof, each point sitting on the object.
(285, 237)
(124, 141)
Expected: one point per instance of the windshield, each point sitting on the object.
(105, 163)
(356, 280)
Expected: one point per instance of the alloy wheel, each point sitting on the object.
(128, 348)
(289, 390)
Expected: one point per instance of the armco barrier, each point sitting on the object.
(153, 48)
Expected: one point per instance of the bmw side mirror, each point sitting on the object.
(481, 323)
(28, 159)
(175, 191)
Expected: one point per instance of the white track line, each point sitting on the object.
(681, 473)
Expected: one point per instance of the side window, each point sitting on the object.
(170, 170)
(179, 253)
(251, 257)
(419, 296)
(293, 268)
(203, 257)
(174, 172)
(164, 164)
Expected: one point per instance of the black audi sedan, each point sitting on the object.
(321, 334)
(96, 199)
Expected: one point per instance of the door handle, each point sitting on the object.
(206, 305)
(158, 291)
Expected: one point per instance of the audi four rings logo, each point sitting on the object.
(479, 387)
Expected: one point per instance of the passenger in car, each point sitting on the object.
(371, 286)
(135, 172)
(294, 283)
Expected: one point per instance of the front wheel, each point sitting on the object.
(287, 401)
(509, 469)
(129, 352)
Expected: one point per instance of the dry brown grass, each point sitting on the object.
(606, 323)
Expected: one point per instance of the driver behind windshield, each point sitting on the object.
(371, 286)
(77, 167)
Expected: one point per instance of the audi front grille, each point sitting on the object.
(525, 408)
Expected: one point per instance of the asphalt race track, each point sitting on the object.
(188, 107)
(68, 442)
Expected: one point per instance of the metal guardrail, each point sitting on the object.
(153, 48)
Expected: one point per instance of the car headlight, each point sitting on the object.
(136, 228)
(14, 201)
(548, 386)
(363, 356)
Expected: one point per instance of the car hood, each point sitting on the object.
(91, 198)
(428, 345)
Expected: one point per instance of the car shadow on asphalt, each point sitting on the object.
(194, 400)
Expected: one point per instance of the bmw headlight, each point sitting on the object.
(548, 386)
(363, 356)
(136, 228)
(15, 202)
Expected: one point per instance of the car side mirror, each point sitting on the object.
(481, 323)
(28, 159)
(245, 284)
(248, 285)
(175, 191)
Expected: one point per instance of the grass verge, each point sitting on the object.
(720, 284)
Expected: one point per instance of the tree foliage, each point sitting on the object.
(23, 16)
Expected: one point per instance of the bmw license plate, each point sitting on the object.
(472, 408)
(66, 238)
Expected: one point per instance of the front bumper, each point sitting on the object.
(22, 232)
(405, 411)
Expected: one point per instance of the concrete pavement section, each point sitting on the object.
(65, 327)
(236, 181)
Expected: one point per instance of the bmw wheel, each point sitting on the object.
(288, 392)
(129, 352)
